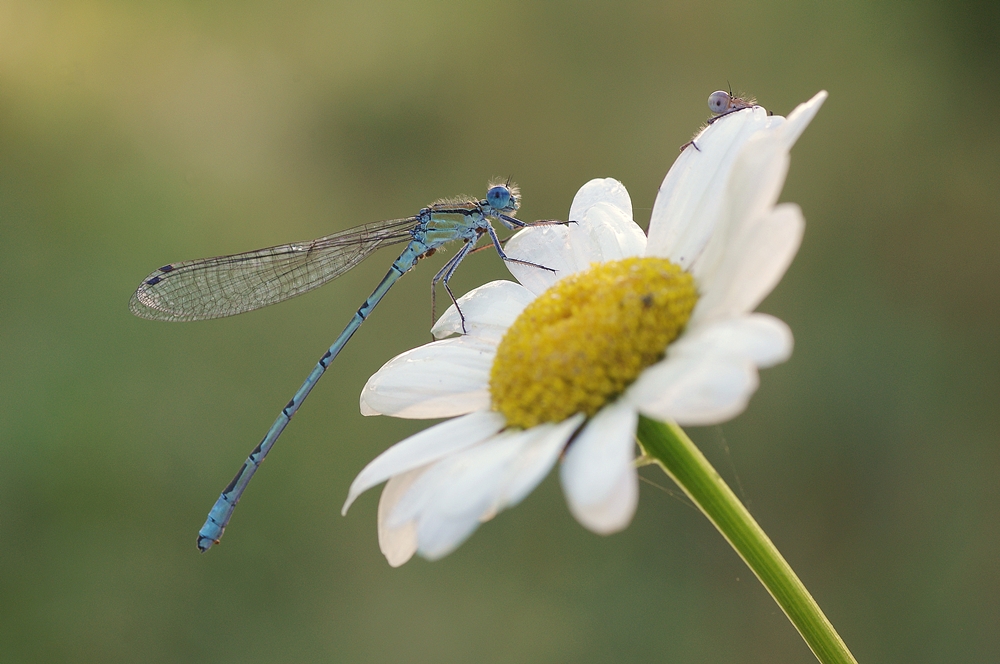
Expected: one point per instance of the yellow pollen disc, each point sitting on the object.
(586, 339)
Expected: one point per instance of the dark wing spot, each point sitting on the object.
(166, 268)
(153, 281)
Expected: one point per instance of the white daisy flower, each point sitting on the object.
(562, 364)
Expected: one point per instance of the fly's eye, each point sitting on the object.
(719, 101)
(498, 197)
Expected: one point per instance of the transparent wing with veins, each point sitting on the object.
(229, 285)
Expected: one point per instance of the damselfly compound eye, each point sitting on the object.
(718, 101)
(498, 197)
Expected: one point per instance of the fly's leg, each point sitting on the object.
(730, 112)
(712, 120)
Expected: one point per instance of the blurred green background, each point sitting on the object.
(136, 134)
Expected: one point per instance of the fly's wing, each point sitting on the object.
(229, 285)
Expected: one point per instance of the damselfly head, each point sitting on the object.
(721, 101)
(503, 197)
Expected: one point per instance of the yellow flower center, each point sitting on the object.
(586, 339)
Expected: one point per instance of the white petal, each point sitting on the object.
(461, 483)
(440, 379)
(485, 478)
(598, 474)
(618, 508)
(755, 182)
(542, 245)
(489, 310)
(534, 463)
(605, 233)
(602, 230)
(752, 264)
(400, 543)
(601, 190)
(457, 493)
(688, 205)
(800, 117)
(695, 391)
(440, 534)
(425, 447)
(759, 338)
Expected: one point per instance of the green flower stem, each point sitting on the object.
(670, 447)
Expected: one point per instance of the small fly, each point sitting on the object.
(722, 103)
